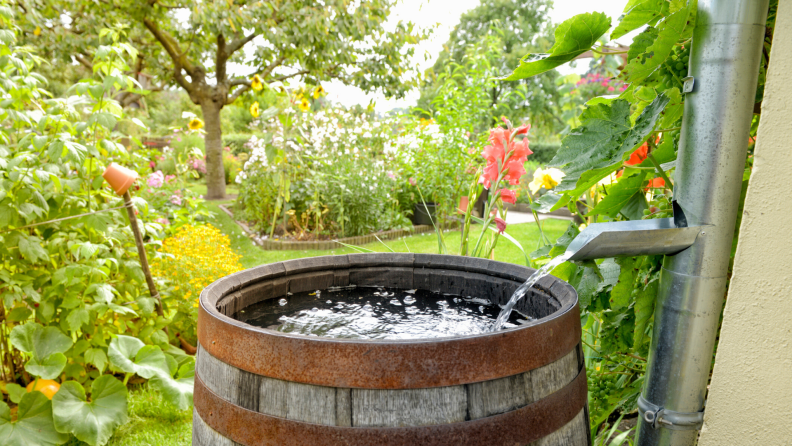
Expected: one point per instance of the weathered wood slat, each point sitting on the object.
(203, 435)
(235, 385)
(312, 404)
(574, 433)
(552, 377)
(413, 407)
(499, 396)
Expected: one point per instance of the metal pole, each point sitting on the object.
(724, 66)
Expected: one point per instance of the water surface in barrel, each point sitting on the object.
(376, 313)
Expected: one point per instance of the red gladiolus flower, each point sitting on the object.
(500, 223)
(523, 129)
(657, 182)
(501, 145)
(638, 156)
(508, 196)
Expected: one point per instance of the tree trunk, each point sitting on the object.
(213, 142)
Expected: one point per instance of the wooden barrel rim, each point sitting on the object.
(387, 364)
(520, 426)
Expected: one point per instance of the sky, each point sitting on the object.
(446, 14)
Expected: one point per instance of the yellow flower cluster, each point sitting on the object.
(197, 256)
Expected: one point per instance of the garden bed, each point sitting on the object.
(322, 245)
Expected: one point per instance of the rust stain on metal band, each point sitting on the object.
(515, 428)
(389, 364)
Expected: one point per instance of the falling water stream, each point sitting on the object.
(518, 294)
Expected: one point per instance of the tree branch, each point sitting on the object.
(237, 93)
(83, 61)
(179, 59)
(239, 43)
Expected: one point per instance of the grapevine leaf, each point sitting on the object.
(598, 147)
(549, 202)
(47, 368)
(622, 291)
(637, 14)
(92, 422)
(610, 274)
(634, 208)
(572, 38)
(564, 241)
(619, 195)
(33, 425)
(669, 32)
(586, 284)
(674, 109)
(644, 309)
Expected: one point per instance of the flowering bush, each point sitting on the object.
(321, 175)
(189, 260)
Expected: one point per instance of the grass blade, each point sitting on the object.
(383, 243)
(356, 248)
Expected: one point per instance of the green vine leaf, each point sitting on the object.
(622, 291)
(572, 38)
(669, 32)
(92, 422)
(597, 148)
(619, 195)
(33, 425)
(48, 367)
(97, 357)
(644, 309)
(638, 13)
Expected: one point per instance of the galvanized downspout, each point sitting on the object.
(724, 65)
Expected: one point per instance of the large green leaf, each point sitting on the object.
(619, 195)
(131, 356)
(644, 309)
(48, 367)
(669, 32)
(179, 390)
(33, 426)
(622, 291)
(598, 147)
(92, 422)
(46, 345)
(572, 38)
(637, 13)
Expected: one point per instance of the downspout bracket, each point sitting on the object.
(658, 417)
(688, 84)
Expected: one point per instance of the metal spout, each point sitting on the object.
(632, 238)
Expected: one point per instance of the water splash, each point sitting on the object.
(522, 290)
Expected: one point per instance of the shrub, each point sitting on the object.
(236, 141)
(188, 262)
(543, 152)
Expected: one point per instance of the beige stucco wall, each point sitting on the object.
(750, 398)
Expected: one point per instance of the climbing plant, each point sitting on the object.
(619, 164)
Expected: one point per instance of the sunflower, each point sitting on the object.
(305, 105)
(256, 83)
(318, 92)
(195, 124)
(254, 109)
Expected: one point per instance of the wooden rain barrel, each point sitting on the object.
(516, 387)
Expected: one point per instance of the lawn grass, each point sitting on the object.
(154, 422)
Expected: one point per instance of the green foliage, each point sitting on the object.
(543, 152)
(237, 141)
(92, 422)
(33, 423)
(572, 38)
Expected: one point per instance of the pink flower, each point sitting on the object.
(510, 154)
(412, 181)
(508, 196)
(611, 89)
(500, 223)
(169, 178)
(152, 164)
(163, 221)
(391, 175)
(156, 179)
(175, 199)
